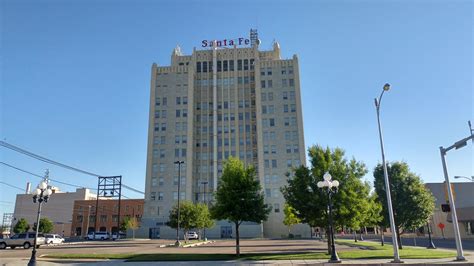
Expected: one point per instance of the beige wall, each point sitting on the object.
(58, 209)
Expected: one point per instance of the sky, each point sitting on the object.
(75, 77)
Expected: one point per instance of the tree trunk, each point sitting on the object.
(361, 237)
(382, 236)
(400, 246)
(355, 235)
(237, 240)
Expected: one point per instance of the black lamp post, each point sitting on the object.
(331, 188)
(179, 196)
(40, 194)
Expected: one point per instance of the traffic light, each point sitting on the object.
(445, 208)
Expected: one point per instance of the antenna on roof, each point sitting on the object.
(254, 37)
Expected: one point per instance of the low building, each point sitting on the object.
(442, 222)
(84, 215)
(58, 209)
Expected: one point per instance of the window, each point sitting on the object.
(103, 218)
(274, 149)
(274, 163)
(239, 64)
(283, 71)
(267, 179)
(185, 100)
(264, 96)
(246, 64)
(265, 149)
(288, 163)
(153, 196)
(225, 65)
(185, 112)
(292, 95)
(231, 65)
(160, 196)
(293, 108)
(264, 109)
(262, 83)
(178, 113)
(275, 193)
(163, 113)
(184, 139)
(268, 193)
(204, 66)
(270, 96)
(154, 181)
(262, 73)
(292, 82)
(165, 101)
(198, 67)
(163, 126)
(284, 83)
(269, 71)
(176, 153)
(219, 66)
(285, 108)
(161, 181)
(272, 122)
(288, 148)
(285, 95)
(276, 207)
(162, 167)
(267, 163)
(270, 83)
(178, 100)
(79, 218)
(177, 139)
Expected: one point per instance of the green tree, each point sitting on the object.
(129, 223)
(45, 226)
(204, 219)
(290, 218)
(187, 217)
(412, 203)
(21, 226)
(239, 197)
(350, 204)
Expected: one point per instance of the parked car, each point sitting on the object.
(53, 239)
(122, 235)
(25, 240)
(98, 236)
(192, 235)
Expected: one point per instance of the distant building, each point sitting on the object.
(84, 215)
(215, 103)
(58, 209)
(464, 201)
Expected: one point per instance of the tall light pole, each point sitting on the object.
(454, 216)
(40, 194)
(465, 177)
(205, 202)
(179, 196)
(88, 218)
(331, 188)
(396, 255)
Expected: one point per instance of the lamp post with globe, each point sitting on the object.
(40, 195)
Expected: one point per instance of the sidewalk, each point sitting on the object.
(407, 262)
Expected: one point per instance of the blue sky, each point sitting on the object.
(75, 78)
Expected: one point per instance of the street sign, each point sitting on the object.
(441, 226)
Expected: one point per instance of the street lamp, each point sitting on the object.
(396, 255)
(468, 178)
(205, 202)
(40, 194)
(179, 196)
(331, 188)
(454, 216)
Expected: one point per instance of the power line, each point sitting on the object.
(54, 180)
(41, 158)
(1, 182)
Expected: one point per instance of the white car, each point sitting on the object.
(25, 240)
(192, 235)
(98, 236)
(53, 239)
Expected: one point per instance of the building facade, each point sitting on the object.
(212, 104)
(441, 221)
(58, 209)
(84, 215)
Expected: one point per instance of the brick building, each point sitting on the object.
(84, 214)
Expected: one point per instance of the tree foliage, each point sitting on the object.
(290, 217)
(412, 202)
(239, 197)
(129, 223)
(191, 216)
(350, 203)
(45, 226)
(21, 226)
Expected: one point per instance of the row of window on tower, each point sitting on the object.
(225, 65)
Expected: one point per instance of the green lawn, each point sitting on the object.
(366, 250)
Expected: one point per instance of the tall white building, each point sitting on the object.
(224, 100)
